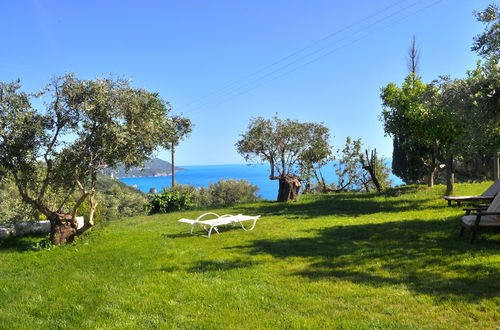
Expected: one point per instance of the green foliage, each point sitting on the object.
(408, 118)
(185, 197)
(383, 173)
(452, 121)
(44, 244)
(116, 200)
(407, 162)
(180, 128)
(228, 192)
(487, 44)
(12, 208)
(170, 201)
(285, 144)
(348, 166)
(350, 172)
(87, 125)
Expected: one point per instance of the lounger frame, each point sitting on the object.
(211, 225)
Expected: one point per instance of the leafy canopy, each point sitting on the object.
(86, 125)
(285, 144)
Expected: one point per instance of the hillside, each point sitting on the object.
(154, 167)
(350, 260)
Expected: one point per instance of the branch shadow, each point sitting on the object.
(339, 204)
(22, 244)
(424, 256)
(206, 266)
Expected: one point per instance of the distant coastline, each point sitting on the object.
(160, 174)
(153, 168)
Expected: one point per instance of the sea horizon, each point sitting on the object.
(204, 175)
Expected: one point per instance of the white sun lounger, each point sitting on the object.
(220, 220)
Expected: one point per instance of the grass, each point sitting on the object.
(387, 260)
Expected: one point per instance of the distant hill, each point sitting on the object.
(154, 167)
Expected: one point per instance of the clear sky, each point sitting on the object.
(321, 60)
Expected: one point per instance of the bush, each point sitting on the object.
(116, 200)
(120, 201)
(227, 192)
(184, 197)
(12, 208)
(170, 201)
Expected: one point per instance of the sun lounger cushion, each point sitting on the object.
(487, 220)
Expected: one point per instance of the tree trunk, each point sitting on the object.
(321, 180)
(432, 169)
(371, 167)
(430, 179)
(496, 167)
(450, 176)
(173, 166)
(289, 186)
(63, 228)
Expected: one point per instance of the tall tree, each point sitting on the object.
(406, 115)
(409, 156)
(284, 144)
(87, 125)
(487, 44)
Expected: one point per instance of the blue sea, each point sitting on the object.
(202, 176)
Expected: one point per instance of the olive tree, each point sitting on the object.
(347, 166)
(86, 125)
(285, 144)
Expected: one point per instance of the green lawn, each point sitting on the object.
(346, 260)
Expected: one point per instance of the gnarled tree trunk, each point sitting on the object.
(63, 227)
(289, 186)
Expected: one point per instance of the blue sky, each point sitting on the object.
(186, 50)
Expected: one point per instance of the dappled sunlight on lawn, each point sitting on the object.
(424, 256)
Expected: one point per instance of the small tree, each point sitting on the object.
(87, 125)
(180, 128)
(311, 163)
(347, 167)
(284, 144)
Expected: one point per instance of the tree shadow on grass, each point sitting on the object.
(205, 266)
(427, 257)
(341, 204)
(22, 244)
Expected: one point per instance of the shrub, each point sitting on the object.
(170, 201)
(184, 197)
(120, 201)
(227, 192)
(116, 200)
(12, 208)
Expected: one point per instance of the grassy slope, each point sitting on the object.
(343, 260)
